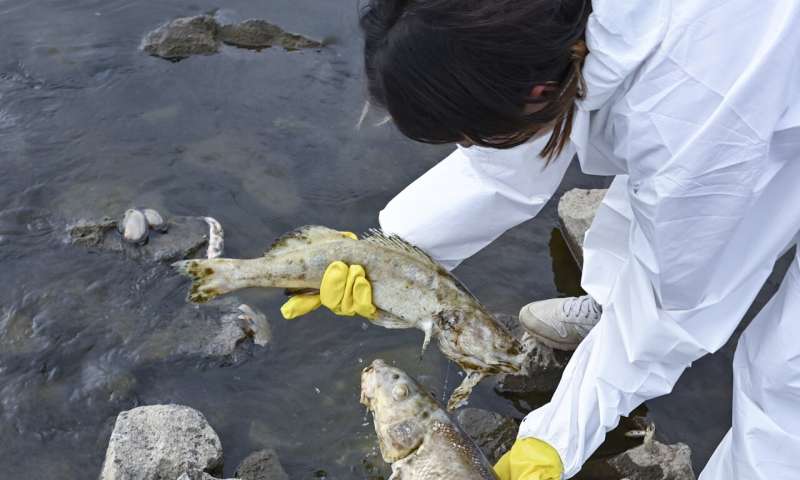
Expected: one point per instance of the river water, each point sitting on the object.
(263, 141)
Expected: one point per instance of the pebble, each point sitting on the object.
(134, 226)
(155, 220)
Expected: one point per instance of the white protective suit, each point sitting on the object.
(695, 106)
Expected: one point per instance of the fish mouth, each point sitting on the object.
(367, 386)
(369, 382)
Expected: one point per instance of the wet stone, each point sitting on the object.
(576, 211)
(183, 37)
(161, 442)
(261, 465)
(186, 237)
(199, 476)
(258, 34)
(493, 433)
(545, 365)
(209, 332)
(655, 461)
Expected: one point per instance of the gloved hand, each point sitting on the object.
(530, 459)
(345, 290)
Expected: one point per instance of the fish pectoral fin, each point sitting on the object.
(385, 319)
(400, 467)
(462, 392)
(426, 327)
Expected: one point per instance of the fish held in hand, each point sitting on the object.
(409, 289)
(414, 433)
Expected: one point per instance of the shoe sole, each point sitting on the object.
(567, 347)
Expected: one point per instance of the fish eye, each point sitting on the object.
(400, 391)
(395, 376)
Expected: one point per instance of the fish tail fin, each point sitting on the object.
(210, 277)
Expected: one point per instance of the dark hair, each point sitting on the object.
(454, 70)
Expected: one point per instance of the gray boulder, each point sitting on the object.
(159, 442)
(210, 332)
(258, 34)
(576, 211)
(655, 461)
(493, 433)
(186, 237)
(199, 476)
(182, 38)
(261, 465)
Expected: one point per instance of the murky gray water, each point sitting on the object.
(263, 141)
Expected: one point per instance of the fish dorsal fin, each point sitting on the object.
(303, 237)
(393, 242)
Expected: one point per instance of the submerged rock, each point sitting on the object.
(211, 332)
(576, 211)
(186, 236)
(202, 34)
(258, 34)
(183, 37)
(161, 442)
(545, 365)
(261, 465)
(493, 433)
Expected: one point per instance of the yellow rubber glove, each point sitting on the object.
(530, 459)
(345, 290)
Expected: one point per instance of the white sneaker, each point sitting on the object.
(561, 323)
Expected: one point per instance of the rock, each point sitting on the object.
(186, 236)
(212, 331)
(160, 442)
(182, 38)
(199, 476)
(493, 433)
(545, 365)
(576, 210)
(261, 465)
(258, 34)
(655, 461)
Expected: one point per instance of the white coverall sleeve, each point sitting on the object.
(712, 206)
(471, 197)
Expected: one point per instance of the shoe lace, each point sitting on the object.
(584, 306)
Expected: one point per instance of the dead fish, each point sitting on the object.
(409, 289)
(134, 227)
(155, 220)
(216, 238)
(414, 433)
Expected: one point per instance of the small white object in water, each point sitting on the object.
(134, 226)
(216, 238)
(155, 220)
(257, 324)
